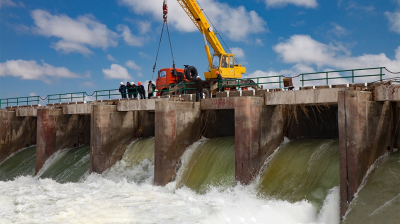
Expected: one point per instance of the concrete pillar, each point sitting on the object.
(15, 133)
(112, 131)
(258, 132)
(364, 135)
(178, 125)
(56, 131)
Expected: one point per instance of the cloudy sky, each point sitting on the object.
(60, 46)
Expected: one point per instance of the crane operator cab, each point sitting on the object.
(225, 64)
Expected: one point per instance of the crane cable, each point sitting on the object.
(165, 13)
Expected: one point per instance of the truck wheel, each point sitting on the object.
(191, 73)
(164, 92)
(206, 93)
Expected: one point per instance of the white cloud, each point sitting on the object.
(33, 94)
(75, 34)
(144, 26)
(236, 23)
(354, 5)
(144, 55)
(302, 49)
(394, 19)
(129, 38)
(338, 30)
(238, 52)
(282, 3)
(259, 42)
(5, 3)
(116, 72)
(30, 70)
(131, 64)
(110, 57)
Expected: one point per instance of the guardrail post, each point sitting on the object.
(302, 80)
(352, 76)
(280, 81)
(59, 98)
(27, 102)
(83, 94)
(17, 102)
(381, 74)
(327, 78)
(109, 94)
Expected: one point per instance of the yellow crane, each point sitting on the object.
(221, 61)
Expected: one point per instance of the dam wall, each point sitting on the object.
(366, 122)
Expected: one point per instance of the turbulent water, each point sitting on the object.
(125, 194)
(21, 163)
(211, 163)
(378, 200)
(67, 165)
(302, 170)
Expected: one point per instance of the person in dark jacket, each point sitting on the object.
(134, 90)
(199, 88)
(150, 89)
(122, 90)
(142, 91)
(219, 79)
(129, 90)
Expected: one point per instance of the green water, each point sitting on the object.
(379, 200)
(20, 164)
(302, 170)
(67, 166)
(137, 164)
(212, 164)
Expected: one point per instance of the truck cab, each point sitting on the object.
(167, 76)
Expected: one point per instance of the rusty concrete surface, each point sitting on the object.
(28, 111)
(387, 93)
(364, 136)
(77, 108)
(139, 105)
(178, 126)
(15, 133)
(258, 132)
(307, 96)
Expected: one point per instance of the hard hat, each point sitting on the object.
(217, 72)
(198, 77)
(139, 83)
(132, 83)
(121, 83)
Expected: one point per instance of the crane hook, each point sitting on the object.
(165, 10)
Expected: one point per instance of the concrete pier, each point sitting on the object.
(112, 131)
(178, 125)
(15, 133)
(57, 131)
(365, 134)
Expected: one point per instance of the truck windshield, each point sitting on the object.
(163, 74)
(215, 62)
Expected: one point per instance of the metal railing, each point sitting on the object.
(353, 76)
(108, 93)
(17, 101)
(66, 96)
(174, 88)
(237, 82)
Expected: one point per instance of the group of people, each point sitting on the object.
(131, 90)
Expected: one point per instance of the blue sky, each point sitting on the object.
(61, 46)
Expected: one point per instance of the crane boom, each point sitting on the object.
(221, 62)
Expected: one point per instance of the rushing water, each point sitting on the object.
(67, 165)
(21, 163)
(302, 170)
(378, 200)
(211, 163)
(125, 193)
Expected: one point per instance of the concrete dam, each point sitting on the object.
(323, 154)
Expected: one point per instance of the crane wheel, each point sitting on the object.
(191, 72)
